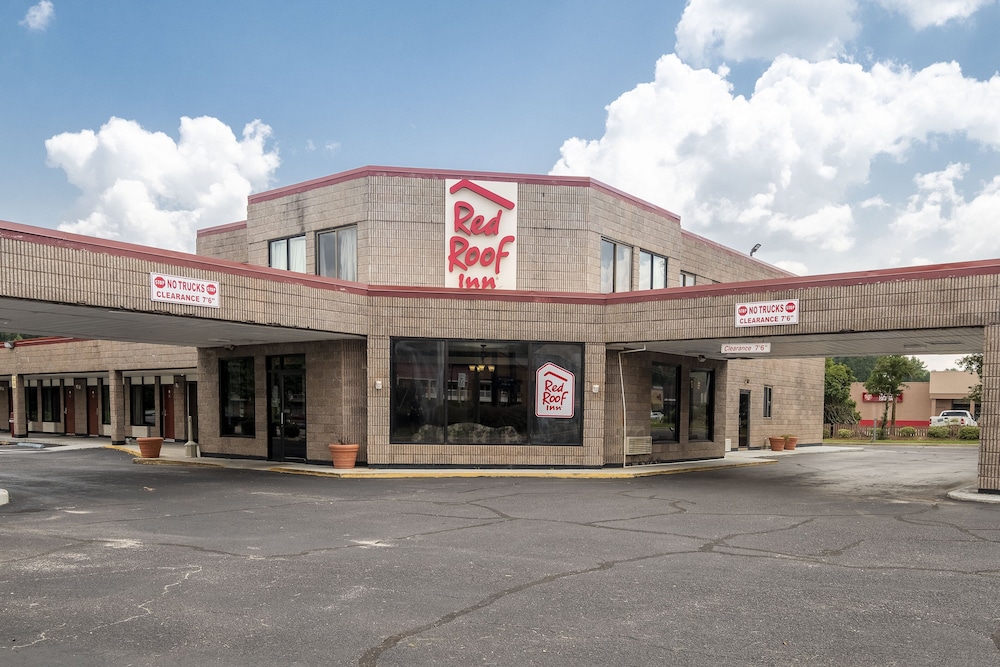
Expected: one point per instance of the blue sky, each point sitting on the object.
(840, 134)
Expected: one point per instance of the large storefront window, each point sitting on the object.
(236, 397)
(664, 416)
(700, 424)
(474, 392)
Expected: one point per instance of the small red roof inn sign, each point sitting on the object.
(555, 391)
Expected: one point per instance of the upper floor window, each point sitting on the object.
(289, 254)
(687, 279)
(616, 267)
(652, 271)
(768, 399)
(337, 253)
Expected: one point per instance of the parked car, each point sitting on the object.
(954, 418)
(656, 416)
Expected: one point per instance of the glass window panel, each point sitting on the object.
(486, 393)
(279, 254)
(645, 270)
(552, 430)
(702, 405)
(105, 404)
(237, 403)
(623, 269)
(418, 394)
(347, 255)
(31, 403)
(327, 254)
(659, 272)
(607, 266)
(297, 254)
(664, 415)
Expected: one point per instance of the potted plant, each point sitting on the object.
(791, 441)
(777, 442)
(149, 448)
(344, 453)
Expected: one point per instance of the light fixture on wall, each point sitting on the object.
(754, 249)
(701, 358)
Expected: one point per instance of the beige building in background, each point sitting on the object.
(946, 390)
(438, 318)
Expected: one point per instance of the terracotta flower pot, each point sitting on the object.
(149, 448)
(344, 456)
(777, 443)
(791, 441)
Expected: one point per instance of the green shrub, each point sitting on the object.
(907, 432)
(968, 433)
(845, 433)
(940, 432)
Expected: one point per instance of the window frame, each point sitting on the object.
(243, 425)
(688, 279)
(338, 269)
(142, 400)
(287, 252)
(709, 403)
(768, 401)
(430, 398)
(621, 267)
(647, 280)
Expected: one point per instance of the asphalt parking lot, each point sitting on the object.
(850, 558)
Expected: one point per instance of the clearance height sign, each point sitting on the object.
(188, 291)
(767, 313)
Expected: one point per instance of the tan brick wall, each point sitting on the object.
(989, 425)
(230, 244)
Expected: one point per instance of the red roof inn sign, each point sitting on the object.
(480, 235)
(767, 313)
(555, 389)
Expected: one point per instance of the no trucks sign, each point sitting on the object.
(767, 313)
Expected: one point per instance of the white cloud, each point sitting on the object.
(736, 30)
(143, 187)
(783, 165)
(39, 16)
(926, 13)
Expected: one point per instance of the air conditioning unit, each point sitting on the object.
(639, 444)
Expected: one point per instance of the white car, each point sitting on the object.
(954, 418)
(656, 416)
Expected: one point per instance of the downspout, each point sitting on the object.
(621, 380)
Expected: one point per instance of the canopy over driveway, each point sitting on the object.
(63, 284)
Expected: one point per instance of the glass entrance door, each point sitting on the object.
(744, 434)
(286, 380)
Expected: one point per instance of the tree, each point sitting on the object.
(838, 408)
(973, 363)
(888, 379)
(861, 367)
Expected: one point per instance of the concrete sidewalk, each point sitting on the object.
(175, 454)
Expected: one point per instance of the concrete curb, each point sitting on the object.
(972, 495)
